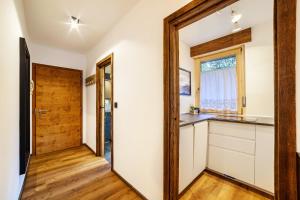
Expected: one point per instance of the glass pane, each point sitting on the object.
(220, 63)
(218, 90)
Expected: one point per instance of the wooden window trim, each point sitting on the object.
(239, 53)
(285, 92)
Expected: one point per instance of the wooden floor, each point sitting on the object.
(74, 174)
(78, 174)
(210, 187)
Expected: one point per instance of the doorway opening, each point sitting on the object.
(104, 106)
(284, 68)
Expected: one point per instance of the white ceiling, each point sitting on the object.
(46, 21)
(219, 24)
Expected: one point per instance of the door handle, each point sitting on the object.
(43, 111)
(40, 111)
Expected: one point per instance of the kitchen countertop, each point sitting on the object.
(188, 119)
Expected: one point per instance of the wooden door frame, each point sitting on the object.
(285, 98)
(33, 103)
(99, 144)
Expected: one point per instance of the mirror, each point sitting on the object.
(226, 76)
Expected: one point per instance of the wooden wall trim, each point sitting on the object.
(191, 184)
(285, 99)
(129, 185)
(234, 39)
(285, 109)
(87, 146)
(298, 175)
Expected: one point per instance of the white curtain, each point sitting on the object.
(219, 89)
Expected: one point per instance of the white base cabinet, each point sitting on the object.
(264, 159)
(235, 164)
(186, 141)
(192, 152)
(200, 147)
(244, 152)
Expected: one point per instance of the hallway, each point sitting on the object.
(74, 174)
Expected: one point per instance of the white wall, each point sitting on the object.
(186, 62)
(13, 27)
(137, 43)
(259, 71)
(57, 57)
(53, 56)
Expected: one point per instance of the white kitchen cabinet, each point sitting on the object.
(186, 141)
(235, 164)
(264, 159)
(200, 147)
(239, 130)
(232, 143)
(232, 150)
(192, 152)
(243, 151)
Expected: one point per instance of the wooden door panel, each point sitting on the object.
(59, 94)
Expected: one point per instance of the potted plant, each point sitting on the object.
(194, 110)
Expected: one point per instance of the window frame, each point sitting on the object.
(239, 52)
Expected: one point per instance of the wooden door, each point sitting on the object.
(58, 108)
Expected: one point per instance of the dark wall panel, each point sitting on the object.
(24, 105)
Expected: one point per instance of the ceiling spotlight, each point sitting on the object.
(74, 22)
(235, 17)
(236, 27)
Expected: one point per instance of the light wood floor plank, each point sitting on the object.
(73, 174)
(76, 174)
(210, 187)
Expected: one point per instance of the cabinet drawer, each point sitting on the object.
(231, 163)
(232, 143)
(239, 130)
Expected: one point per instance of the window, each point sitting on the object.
(221, 82)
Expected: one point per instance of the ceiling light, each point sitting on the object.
(74, 22)
(235, 17)
(236, 27)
